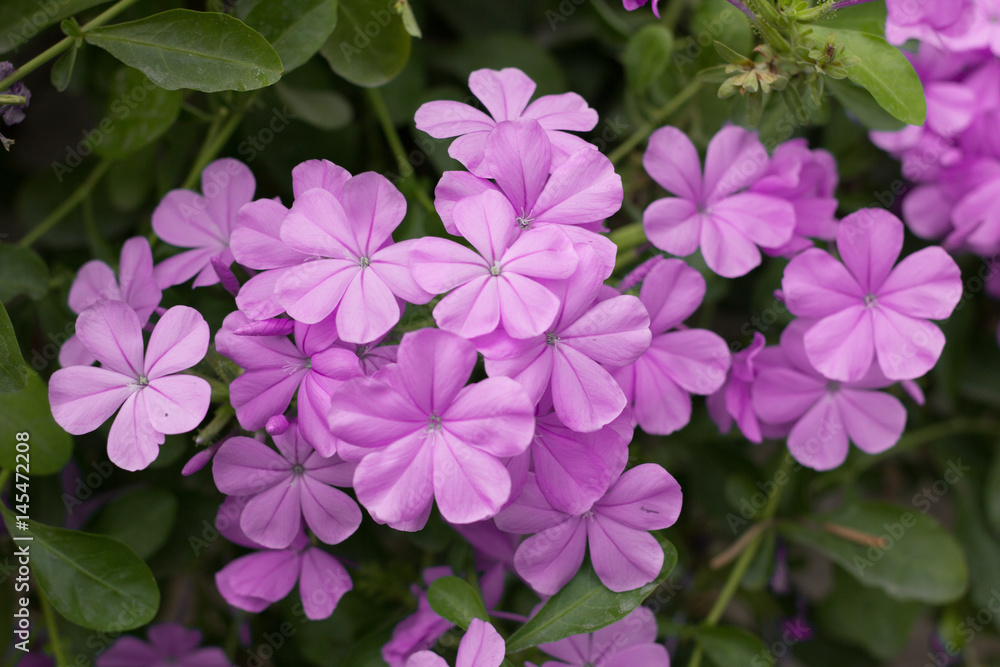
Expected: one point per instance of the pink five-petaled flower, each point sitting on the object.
(95, 281)
(170, 644)
(678, 363)
(625, 556)
(359, 272)
(630, 642)
(430, 436)
(824, 413)
(505, 93)
(586, 334)
(202, 222)
(867, 308)
(286, 487)
(493, 285)
(710, 212)
(482, 646)
(153, 400)
(733, 400)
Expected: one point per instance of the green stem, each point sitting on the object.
(64, 44)
(628, 238)
(53, 627)
(67, 205)
(396, 145)
(653, 123)
(218, 134)
(13, 99)
(4, 476)
(613, 20)
(746, 558)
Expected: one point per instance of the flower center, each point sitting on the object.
(143, 381)
(589, 514)
(551, 338)
(524, 220)
(495, 270)
(870, 300)
(833, 386)
(433, 424)
(298, 470)
(364, 262)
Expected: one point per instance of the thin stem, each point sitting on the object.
(53, 627)
(613, 20)
(67, 206)
(218, 134)
(13, 99)
(396, 145)
(653, 123)
(64, 44)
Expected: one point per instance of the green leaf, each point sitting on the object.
(405, 11)
(13, 372)
(584, 605)
(27, 411)
(296, 30)
(22, 20)
(62, 70)
(370, 45)
(647, 55)
(983, 552)
(181, 48)
(868, 17)
(456, 600)
(93, 581)
(325, 109)
(139, 112)
(920, 561)
(863, 106)
(886, 73)
(866, 617)
(141, 521)
(22, 271)
(732, 647)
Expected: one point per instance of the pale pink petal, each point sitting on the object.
(726, 250)
(819, 440)
(570, 474)
(182, 219)
(317, 224)
(319, 174)
(471, 310)
(543, 252)
(259, 395)
(178, 403)
(265, 575)
(782, 395)
(526, 308)
(438, 364)
(869, 241)
(374, 208)
(179, 341)
(440, 265)
(734, 160)
(425, 659)
(330, 513)
(368, 309)
(322, 583)
(444, 118)
(452, 188)
(331, 470)
(110, 330)
(874, 420)
(182, 267)
(257, 296)
(395, 484)
(504, 93)
(73, 353)
(927, 211)
(95, 281)
(394, 265)
(273, 518)
(493, 415)
(671, 292)
(567, 111)
(841, 346)
(226, 185)
(586, 396)
(470, 149)
(245, 467)
(313, 402)
(482, 646)
(370, 413)
(673, 225)
(614, 332)
(636, 629)
(138, 287)
(624, 558)
(133, 443)
(487, 221)
(532, 370)
(530, 512)
(660, 405)
(906, 347)
(311, 291)
(549, 559)
(83, 397)
(696, 359)
(767, 221)
(583, 189)
(518, 156)
(469, 485)
(927, 283)
(672, 160)
(817, 285)
(256, 240)
(646, 497)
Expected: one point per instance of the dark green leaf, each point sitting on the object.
(138, 113)
(983, 553)
(94, 581)
(22, 271)
(920, 560)
(22, 20)
(296, 30)
(141, 521)
(456, 600)
(324, 109)
(13, 372)
(866, 617)
(370, 45)
(27, 411)
(204, 51)
(62, 70)
(647, 55)
(868, 17)
(584, 605)
(732, 647)
(886, 73)
(863, 106)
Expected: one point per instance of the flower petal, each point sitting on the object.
(482, 646)
(436, 366)
(110, 330)
(819, 440)
(672, 160)
(396, 485)
(504, 93)
(493, 415)
(445, 118)
(368, 309)
(869, 241)
(330, 513)
(374, 208)
(906, 347)
(245, 467)
(673, 225)
(95, 281)
(614, 332)
(735, 159)
(526, 308)
(927, 284)
(841, 346)
(178, 403)
(256, 239)
(624, 558)
(671, 292)
(586, 397)
(469, 484)
(646, 497)
(133, 443)
(487, 221)
(317, 224)
(518, 156)
(322, 583)
(874, 420)
(83, 397)
(817, 285)
(311, 291)
(273, 517)
(319, 174)
(549, 559)
(179, 341)
(583, 189)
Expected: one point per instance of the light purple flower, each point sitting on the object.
(286, 486)
(625, 556)
(711, 212)
(421, 629)
(951, 22)
(505, 94)
(255, 581)
(153, 400)
(824, 414)
(866, 308)
(169, 645)
(630, 642)
(733, 400)
(632, 5)
(678, 363)
(12, 114)
(202, 222)
(482, 646)
(96, 281)
(494, 286)
(359, 272)
(570, 356)
(430, 436)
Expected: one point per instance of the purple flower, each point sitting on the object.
(153, 400)
(949, 21)
(733, 400)
(170, 645)
(430, 436)
(677, 364)
(711, 212)
(822, 413)
(254, 581)
(421, 629)
(632, 5)
(493, 286)
(482, 646)
(359, 272)
(630, 642)
(625, 556)
(202, 222)
(587, 334)
(867, 308)
(505, 94)
(286, 487)
(12, 114)
(96, 281)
